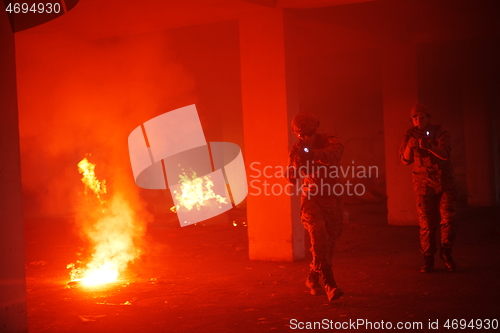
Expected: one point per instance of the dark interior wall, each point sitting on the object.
(340, 69)
(341, 81)
(344, 90)
(210, 55)
(79, 97)
(458, 78)
(13, 314)
(440, 86)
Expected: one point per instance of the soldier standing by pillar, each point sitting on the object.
(428, 147)
(321, 209)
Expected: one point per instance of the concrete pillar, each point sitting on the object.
(13, 315)
(478, 129)
(400, 93)
(274, 233)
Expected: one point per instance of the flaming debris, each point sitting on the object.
(112, 235)
(196, 192)
(90, 180)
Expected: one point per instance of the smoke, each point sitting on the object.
(84, 97)
(115, 236)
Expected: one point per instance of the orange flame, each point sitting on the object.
(112, 236)
(196, 192)
(90, 180)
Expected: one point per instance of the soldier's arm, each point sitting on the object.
(406, 150)
(443, 148)
(292, 169)
(331, 154)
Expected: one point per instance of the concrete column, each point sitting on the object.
(400, 93)
(13, 315)
(274, 232)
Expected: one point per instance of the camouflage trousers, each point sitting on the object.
(322, 218)
(437, 211)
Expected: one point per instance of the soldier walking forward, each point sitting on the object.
(428, 147)
(321, 210)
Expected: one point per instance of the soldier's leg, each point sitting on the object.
(448, 210)
(428, 218)
(314, 221)
(333, 212)
(448, 227)
(334, 223)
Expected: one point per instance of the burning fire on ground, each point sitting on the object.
(112, 234)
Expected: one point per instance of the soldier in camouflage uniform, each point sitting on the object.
(321, 210)
(428, 147)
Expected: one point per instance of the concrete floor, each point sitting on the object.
(198, 279)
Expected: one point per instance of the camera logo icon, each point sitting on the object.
(205, 179)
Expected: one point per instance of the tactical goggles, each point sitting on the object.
(303, 135)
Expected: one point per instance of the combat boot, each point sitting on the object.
(428, 266)
(312, 282)
(445, 255)
(333, 292)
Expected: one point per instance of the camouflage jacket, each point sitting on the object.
(325, 151)
(431, 175)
